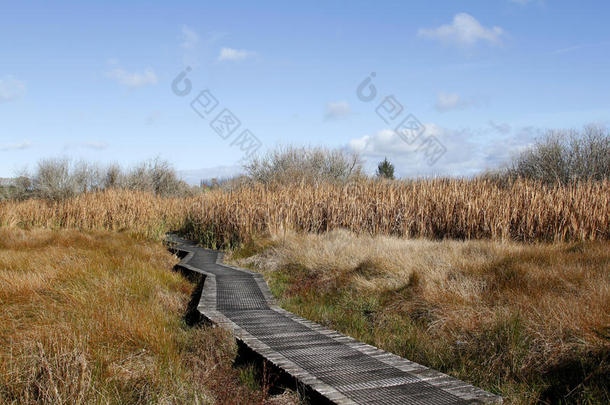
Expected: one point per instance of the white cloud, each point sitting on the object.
(133, 80)
(469, 151)
(407, 159)
(11, 89)
(337, 110)
(381, 143)
(198, 49)
(190, 38)
(579, 47)
(15, 146)
(235, 54)
(464, 30)
(450, 101)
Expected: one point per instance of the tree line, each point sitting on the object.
(560, 156)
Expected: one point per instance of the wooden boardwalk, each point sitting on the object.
(336, 366)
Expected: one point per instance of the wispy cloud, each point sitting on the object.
(235, 54)
(337, 110)
(464, 31)
(133, 80)
(501, 127)
(11, 89)
(198, 49)
(15, 146)
(190, 38)
(94, 145)
(450, 101)
(578, 48)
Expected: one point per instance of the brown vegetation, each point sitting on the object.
(437, 209)
(528, 321)
(116, 210)
(97, 318)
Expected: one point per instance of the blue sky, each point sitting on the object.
(484, 78)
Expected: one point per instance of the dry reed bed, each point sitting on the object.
(116, 210)
(436, 209)
(463, 209)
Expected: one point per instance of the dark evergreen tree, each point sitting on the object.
(385, 169)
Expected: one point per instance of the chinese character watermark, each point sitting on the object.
(224, 123)
(405, 125)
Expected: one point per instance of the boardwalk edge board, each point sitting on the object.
(207, 307)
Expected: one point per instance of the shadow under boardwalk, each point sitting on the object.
(336, 366)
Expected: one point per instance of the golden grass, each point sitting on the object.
(116, 210)
(96, 317)
(528, 321)
(436, 209)
(523, 320)
(443, 208)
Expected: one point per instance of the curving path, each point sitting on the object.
(338, 367)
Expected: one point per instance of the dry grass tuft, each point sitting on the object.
(529, 321)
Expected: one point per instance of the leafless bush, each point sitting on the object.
(53, 180)
(566, 155)
(57, 179)
(156, 176)
(311, 165)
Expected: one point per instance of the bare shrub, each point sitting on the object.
(114, 177)
(57, 179)
(562, 156)
(291, 164)
(86, 177)
(156, 176)
(52, 179)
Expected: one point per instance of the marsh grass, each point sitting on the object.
(527, 321)
(435, 209)
(96, 317)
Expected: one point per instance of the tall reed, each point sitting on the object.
(435, 209)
